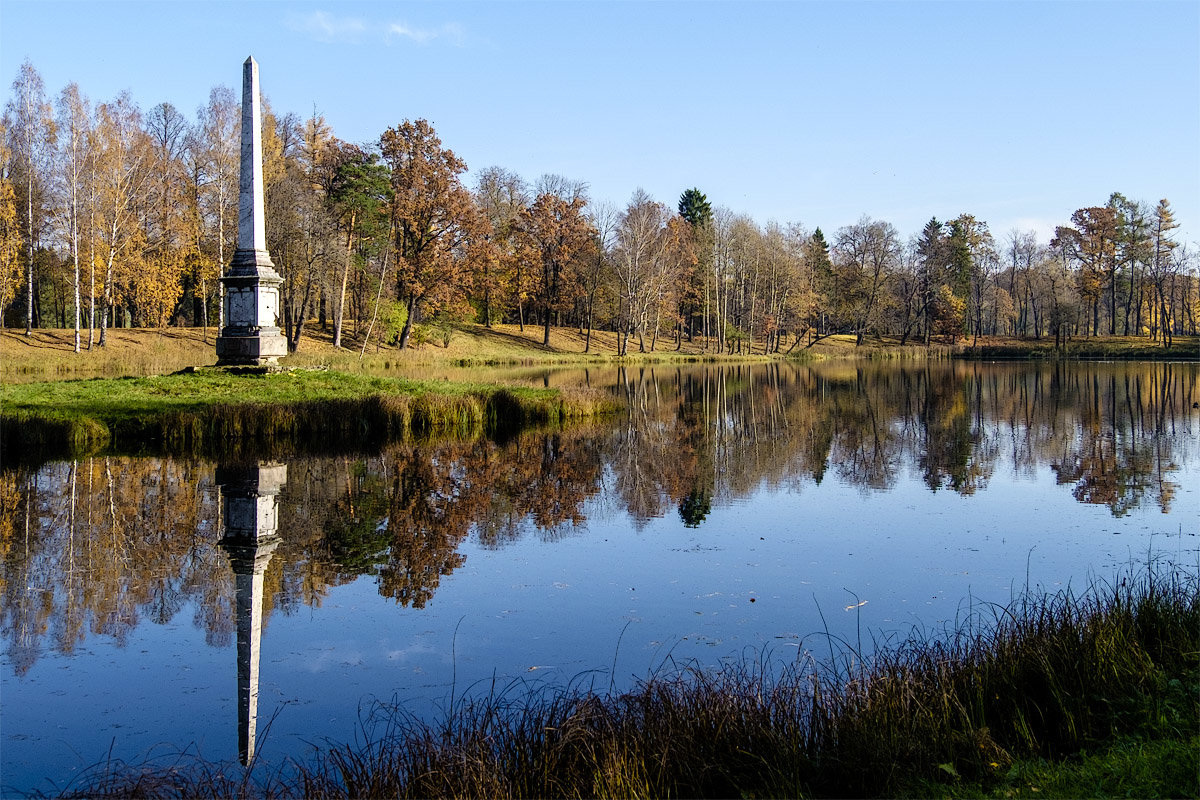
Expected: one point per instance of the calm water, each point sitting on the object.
(154, 606)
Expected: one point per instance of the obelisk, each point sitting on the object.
(251, 334)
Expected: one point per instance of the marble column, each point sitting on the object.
(251, 333)
(249, 516)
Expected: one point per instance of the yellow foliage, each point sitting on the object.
(10, 243)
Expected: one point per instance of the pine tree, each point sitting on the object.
(695, 208)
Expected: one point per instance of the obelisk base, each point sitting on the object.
(255, 347)
(251, 335)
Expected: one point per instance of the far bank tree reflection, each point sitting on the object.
(100, 545)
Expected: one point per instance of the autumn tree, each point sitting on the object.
(10, 234)
(1023, 252)
(973, 261)
(298, 168)
(501, 195)
(121, 153)
(1091, 242)
(553, 232)
(169, 238)
(434, 216)
(1133, 244)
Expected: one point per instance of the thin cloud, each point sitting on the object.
(450, 31)
(327, 28)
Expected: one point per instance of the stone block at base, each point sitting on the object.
(265, 347)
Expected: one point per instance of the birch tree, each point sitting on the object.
(75, 125)
(121, 152)
(29, 124)
(216, 152)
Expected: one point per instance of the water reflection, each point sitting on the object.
(249, 517)
(97, 546)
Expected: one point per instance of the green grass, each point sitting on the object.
(1131, 348)
(1129, 767)
(224, 413)
(1065, 695)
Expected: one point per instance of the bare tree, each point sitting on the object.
(216, 151)
(864, 254)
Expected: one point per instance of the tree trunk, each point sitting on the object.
(408, 323)
(341, 307)
(298, 324)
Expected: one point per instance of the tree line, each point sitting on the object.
(115, 216)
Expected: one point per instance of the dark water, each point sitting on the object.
(153, 606)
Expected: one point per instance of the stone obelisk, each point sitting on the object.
(251, 334)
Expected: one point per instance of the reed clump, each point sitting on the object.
(1065, 684)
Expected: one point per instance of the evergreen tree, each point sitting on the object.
(821, 276)
(695, 208)
(931, 250)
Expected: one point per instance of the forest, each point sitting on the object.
(115, 216)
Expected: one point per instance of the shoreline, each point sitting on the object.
(147, 391)
(48, 355)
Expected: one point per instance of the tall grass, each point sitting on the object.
(218, 414)
(1048, 677)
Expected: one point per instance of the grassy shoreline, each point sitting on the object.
(1095, 694)
(144, 393)
(48, 354)
(226, 414)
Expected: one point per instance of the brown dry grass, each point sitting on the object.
(49, 353)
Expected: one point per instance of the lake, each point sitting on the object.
(153, 607)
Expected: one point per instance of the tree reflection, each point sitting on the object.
(101, 545)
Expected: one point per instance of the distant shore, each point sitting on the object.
(150, 388)
(48, 354)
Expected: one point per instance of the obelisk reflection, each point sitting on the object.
(249, 516)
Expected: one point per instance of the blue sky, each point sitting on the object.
(809, 112)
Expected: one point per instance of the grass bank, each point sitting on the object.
(49, 354)
(1097, 348)
(219, 413)
(1057, 695)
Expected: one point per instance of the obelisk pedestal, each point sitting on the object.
(251, 333)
